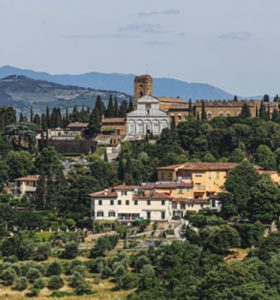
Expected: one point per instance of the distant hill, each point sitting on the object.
(124, 83)
(21, 92)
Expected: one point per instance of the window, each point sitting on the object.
(111, 202)
(135, 202)
(99, 202)
(111, 213)
(198, 175)
(148, 215)
(124, 193)
(148, 202)
(162, 202)
(182, 205)
(100, 213)
(174, 205)
(170, 175)
(126, 202)
(180, 117)
(163, 215)
(180, 191)
(119, 202)
(201, 205)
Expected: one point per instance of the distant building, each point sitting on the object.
(147, 118)
(71, 132)
(113, 126)
(26, 186)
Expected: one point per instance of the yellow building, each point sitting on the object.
(114, 125)
(25, 186)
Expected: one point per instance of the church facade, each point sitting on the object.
(147, 118)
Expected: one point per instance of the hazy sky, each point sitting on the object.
(232, 44)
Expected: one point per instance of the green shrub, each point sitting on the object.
(42, 252)
(55, 283)
(10, 259)
(70, 250)
(104, 244)
(97, 266)
(8, 276)
(54, 269)
(76, 265)
(33, 274)
(119, 271)
(21, 284)
(127, 281)
(78, 282)
(106, 272)
(39, 283)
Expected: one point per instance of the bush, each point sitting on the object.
(54, 269)
(70, 250)
(21, 284)
(33, 274)
(55, 283)
(97, 266)
(140, 262)
(250, 234)
(39, 284)
(127, 281)
(106, 272)
(11, 259)
(42, 252)
(119, 271)
(104, 244)
(33, 292)
(16, 267)
(8, 276)
(76, 266)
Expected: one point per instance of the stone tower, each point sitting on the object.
(143, 85)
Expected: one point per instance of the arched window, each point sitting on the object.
(227, 114)
(131, 128)
(156, 126)
(100, 213)
(112, 213)
(209, 116)
(221, 114)
(140, 127)
(164, 124)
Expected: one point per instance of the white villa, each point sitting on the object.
(147, 118)
(128, 203)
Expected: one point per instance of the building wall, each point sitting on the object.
(25, 187)
(120, 129)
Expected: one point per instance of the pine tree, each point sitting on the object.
(110, 108)
(203, 111)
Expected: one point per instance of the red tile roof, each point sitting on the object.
(28, 178)
(77, 125)
(124, 187)
(113, 121)
(201, 166)
(151, 195)
(105, 194)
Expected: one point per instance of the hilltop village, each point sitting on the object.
(155, 198)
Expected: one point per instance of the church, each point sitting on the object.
(147, 118)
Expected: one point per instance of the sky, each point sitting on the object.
(232, 44)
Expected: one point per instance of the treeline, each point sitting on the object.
(56, 118)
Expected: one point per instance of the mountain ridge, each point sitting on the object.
(124, 83)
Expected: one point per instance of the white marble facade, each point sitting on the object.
(147, 118)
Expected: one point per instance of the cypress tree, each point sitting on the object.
(130, 105)
(190, 107)
(262, 111)
(266, 98)
(257, 111)
(21, 117)
(235, 98)
(116, 107)
(31, 114)
(44, 124)
(203, 111)
(123, 109)
(275, 115)
(276, 98)
(245, 111)
(110, 108)
(48, 117)
(99, 106)
(37, 120)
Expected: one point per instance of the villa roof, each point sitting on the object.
(171, 100)
(124, 187)
(77, 125)
(151, 195)
(113, 121)
(105, 194)
(28, 178)
(200, 166)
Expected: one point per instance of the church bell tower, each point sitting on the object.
(143, 85)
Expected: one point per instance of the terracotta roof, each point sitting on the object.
(124, 187)
(200, 166)
(171, 100)
(191, 201)
(151, 195)
(228, 103)
(105, 194)
(113, 121)
(77, 125)
(28, 178)
(166, 185)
